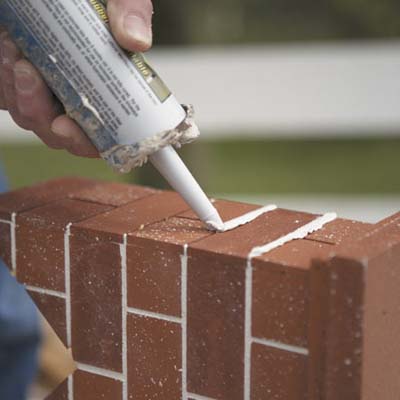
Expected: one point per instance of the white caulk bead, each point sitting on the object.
(173, 169)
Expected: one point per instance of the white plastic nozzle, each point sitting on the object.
(170, 165)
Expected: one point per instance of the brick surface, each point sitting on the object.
(154, 264)
(5, 244)
(268, 227)
(340, 230)
(216, 302)
(96, 302)
(360, 319)
(314, 319)
(278, 374)
(40, 241)
(281, 292)
(61, 392)
(112, 193)
(127, 219)
(38, 195)
(216, 292)
(54, 310)
(154, 359)
(88, 386)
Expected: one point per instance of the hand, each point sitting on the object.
(25, 95)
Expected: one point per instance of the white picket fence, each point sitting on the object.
(312, 90)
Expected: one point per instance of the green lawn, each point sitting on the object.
(271, 166)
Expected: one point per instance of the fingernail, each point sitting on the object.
(25, 81)
(57, 128)
(137, 28)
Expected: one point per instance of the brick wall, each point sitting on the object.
(154, 306)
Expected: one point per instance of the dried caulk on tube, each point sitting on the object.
(120, 102)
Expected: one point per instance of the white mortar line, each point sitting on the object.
(281, 346)
(101, 372)
(124, 289)
(184, 306)
(13, 243)
(47, 292)
(247, 218)
(247, 329)
(67, 274)
(71, 387)
(150, 314)
(198, 397)
(299, 233)
(67, 271)
(3, 221)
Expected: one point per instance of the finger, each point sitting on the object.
(73, 138)
(37, 107)
(3, 34)
(131, 22)
(9, 56)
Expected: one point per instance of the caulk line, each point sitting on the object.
(299, 233)
(47, 292)
(71, 387)
(281, 346)
(248, 330)
(247, 218)
(100, 371)
(67, 268)
(184, 306)
(150, 314)
(13, 243)
(198, 397)
(124, 306)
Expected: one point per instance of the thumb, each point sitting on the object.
(131, 23)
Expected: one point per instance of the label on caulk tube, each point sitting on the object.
(123, 92)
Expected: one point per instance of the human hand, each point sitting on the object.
(31, 104)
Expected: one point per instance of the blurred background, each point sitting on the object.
(298, 103)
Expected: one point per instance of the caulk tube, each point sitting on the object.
(116, 97)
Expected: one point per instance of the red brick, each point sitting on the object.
(154, 359)
(154, 264)
(112, 193)
(277, 374)
(392, 223)
(360, 319)
(88, 386)
(134, 216)
(60, 393)
(40, 241)
(96, 302)
(281, 292)
(5, 244)
(216, 291)
(40, 194)
(53, 310)
(216, 302)
(340, 230)
(266, 228)
(381, 349)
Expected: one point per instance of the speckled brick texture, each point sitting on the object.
(154, 306)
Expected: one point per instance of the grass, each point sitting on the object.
(270, 166)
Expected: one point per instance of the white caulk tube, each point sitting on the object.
(116, 97)
(170, 165)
